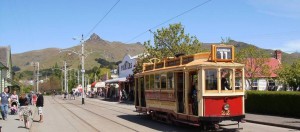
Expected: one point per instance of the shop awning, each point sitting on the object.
(93, 84)
(115, 80)
(100, 85)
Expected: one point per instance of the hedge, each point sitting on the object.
(282, 103)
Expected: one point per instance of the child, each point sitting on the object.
(26, 112)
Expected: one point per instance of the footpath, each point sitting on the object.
(12, 124)
(54, 121)
(292, 123)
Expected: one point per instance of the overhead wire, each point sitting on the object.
(102, 19)
(197, 6)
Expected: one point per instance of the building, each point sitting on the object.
(6, 68)
(267, 82)
(123, 86)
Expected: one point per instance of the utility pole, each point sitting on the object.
(82, 55)
(82, 67)
(78, 77)
(37, 77)
(65, 75)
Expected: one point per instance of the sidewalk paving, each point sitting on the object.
(12, 124)
(286, 122)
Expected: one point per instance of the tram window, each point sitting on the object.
(151, 80)
(238, 79)
(147, 82)
(157, 81)
(163, 79)
(170, 80)
(226, 79)
(211, 79)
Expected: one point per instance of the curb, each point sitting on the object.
(273, 124)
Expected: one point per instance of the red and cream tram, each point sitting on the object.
(203, 89)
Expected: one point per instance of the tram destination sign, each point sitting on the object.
(222, 53)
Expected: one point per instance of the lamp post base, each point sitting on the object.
(82, 101)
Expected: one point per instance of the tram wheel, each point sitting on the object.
(153, 115)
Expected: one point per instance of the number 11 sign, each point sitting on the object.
(222, 53)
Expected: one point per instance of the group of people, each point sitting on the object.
(20, 105)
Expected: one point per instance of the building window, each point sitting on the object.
(170, 80)
(272, 85)
(163, 80)
(211, 79)
(157, 81)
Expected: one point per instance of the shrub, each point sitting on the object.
(281, 103)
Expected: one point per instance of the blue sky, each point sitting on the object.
(28, 25)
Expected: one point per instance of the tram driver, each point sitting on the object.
(224, 81)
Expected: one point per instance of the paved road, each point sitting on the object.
(98, 115)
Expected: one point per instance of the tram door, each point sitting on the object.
(143, 101)
(136, 99)
(180, 91)
(192, 95)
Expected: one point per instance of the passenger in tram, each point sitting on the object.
(224, 81)
(194, 99)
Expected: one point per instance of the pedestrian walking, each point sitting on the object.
(5, 99)
(22, 100)
(26, 112)
(40, 105)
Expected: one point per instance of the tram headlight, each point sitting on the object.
(226, 107)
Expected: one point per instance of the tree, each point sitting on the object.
(290, 75)
(255, 63)
(169, 42)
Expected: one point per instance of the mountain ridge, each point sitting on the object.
(111, 51)
(48, 57)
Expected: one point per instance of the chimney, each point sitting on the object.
(278, 55)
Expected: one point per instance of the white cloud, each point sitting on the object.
(282, 8)
(290, 46)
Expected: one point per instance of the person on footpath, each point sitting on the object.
(26, 114)
(40, 105)
(5, 100)
(22, 100)
(14, 99)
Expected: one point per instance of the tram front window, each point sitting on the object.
(211, 79)
(226, 79)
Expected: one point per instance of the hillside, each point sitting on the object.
(110, 51)
(286, 57)
(97, 47)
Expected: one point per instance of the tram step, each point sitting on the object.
(189, 123)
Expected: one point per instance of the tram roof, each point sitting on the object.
(188, 62)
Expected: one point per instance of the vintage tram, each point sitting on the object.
(203, 89)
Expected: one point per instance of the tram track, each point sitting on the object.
(96, 104)
(110, 105)
(76, 115)
(94, 113)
